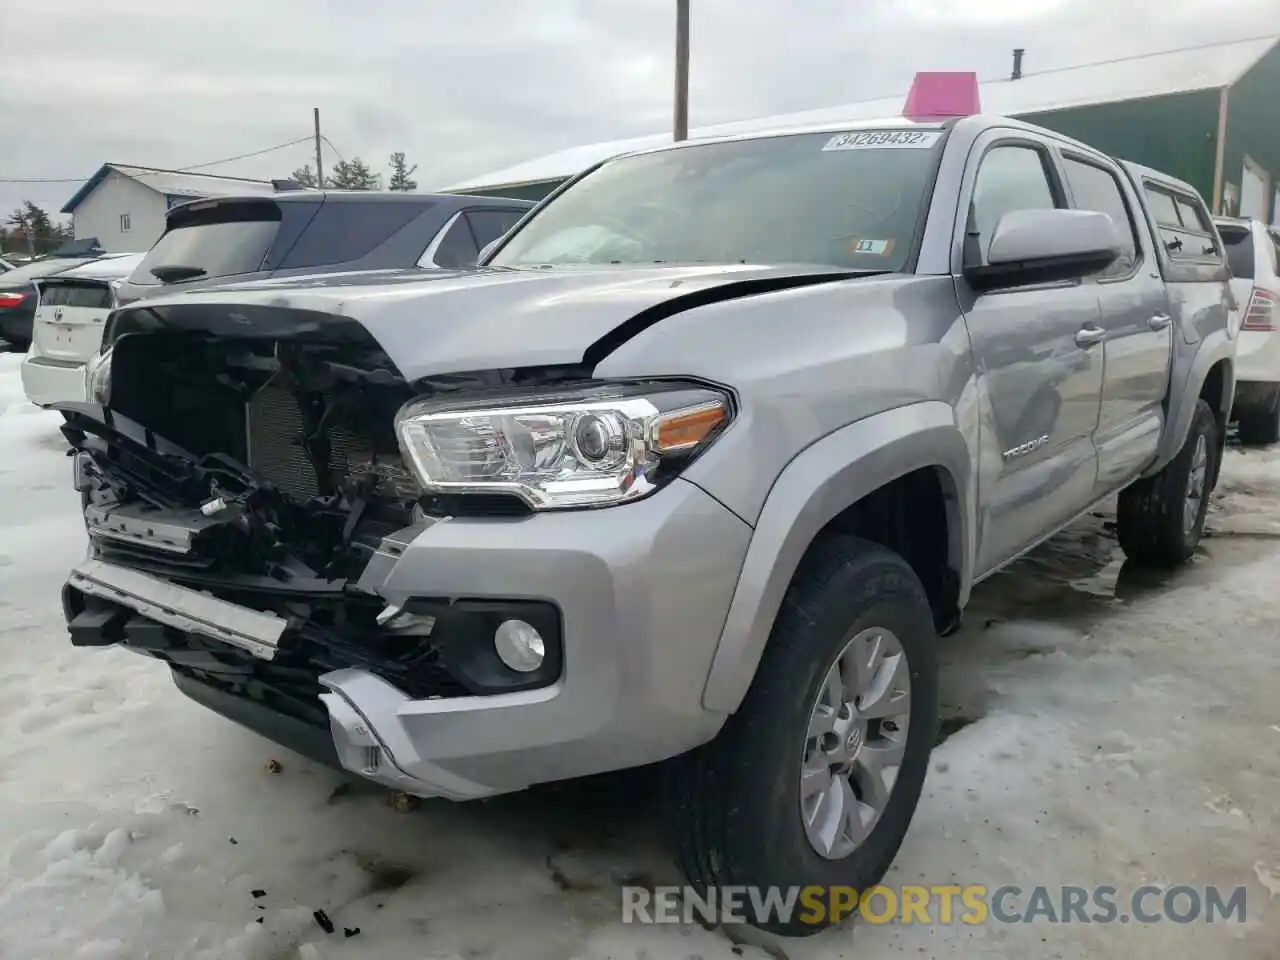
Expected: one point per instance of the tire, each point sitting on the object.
(734, 805)
(1152, 522)
(1257, 426)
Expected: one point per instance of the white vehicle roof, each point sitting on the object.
(110, 266)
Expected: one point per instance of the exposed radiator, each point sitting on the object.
(275, 431)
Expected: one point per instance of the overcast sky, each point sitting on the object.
(468, 86)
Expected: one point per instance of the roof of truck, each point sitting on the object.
(1202, 67)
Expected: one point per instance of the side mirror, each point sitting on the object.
(1046, 246)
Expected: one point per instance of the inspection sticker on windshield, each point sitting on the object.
(884, 140)
(876, 248)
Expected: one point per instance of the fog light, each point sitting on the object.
(519, 646)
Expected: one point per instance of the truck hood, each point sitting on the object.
(450, 322)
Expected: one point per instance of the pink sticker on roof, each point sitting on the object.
(940, 95)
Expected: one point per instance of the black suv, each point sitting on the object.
(314, 231)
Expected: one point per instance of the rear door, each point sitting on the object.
(1038, 358)
(1137, 345)
(70, 317)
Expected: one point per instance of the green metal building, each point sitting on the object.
(1208, 114)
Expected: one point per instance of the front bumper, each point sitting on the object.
(642, 591)
(46, 381)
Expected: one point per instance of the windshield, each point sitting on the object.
(849, 200)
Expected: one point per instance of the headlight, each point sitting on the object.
(98, 378)
(591, 448)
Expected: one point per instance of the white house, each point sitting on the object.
(123, 206)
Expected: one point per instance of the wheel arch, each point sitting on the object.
(918, 444)
(1211, 377)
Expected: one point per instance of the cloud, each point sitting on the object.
(467, 87)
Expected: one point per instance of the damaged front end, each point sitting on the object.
(235, 489)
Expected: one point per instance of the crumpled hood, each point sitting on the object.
(447, 322)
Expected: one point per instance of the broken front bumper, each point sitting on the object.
(640, 590)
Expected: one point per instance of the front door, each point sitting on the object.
(1040, 364)
(1138, 347)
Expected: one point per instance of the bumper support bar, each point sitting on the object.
(181, 608)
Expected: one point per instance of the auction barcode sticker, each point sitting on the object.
(884, 140)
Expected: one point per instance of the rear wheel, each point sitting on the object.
(1160, 519)
(814, 780)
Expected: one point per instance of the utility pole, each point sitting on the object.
(682, 71)
(315, 112)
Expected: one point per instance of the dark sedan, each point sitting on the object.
(18, 297)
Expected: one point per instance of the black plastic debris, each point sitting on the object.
(258, 894)
(350, 932)
(259, 920)
(235, 842)
(322, 918)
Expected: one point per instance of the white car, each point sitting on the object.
(1253, 250)
(67, 331)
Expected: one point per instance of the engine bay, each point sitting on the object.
(265, 473)
(276, 457)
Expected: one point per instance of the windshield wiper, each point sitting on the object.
(175, 272)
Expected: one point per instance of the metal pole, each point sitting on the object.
(1220, 148)
(682, 71)
(315, 111)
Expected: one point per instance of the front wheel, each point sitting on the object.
(1160, 519)
(815, 778)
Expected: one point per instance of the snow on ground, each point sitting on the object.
(1107, 727)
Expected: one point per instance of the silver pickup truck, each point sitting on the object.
(695, 469)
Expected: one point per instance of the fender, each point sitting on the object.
(818, 484)
(1216, 346)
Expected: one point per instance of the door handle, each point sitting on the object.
(1088, 336)
(1159, 321)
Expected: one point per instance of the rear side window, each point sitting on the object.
(1162, 207)
(1192, 217)
(1185, 229)
(1239, 244)
(1094, 188)
(488, 225)
(345, 231)
(209, 241)
(63, 293)
(458, 248)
